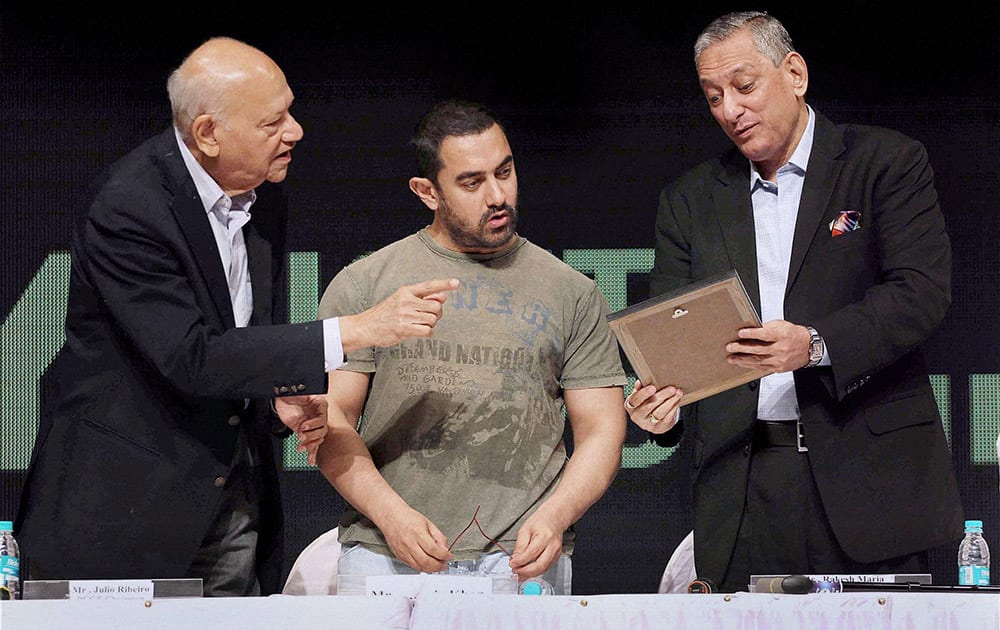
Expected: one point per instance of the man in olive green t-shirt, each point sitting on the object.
(431, 433)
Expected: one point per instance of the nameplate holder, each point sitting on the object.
(112, 589)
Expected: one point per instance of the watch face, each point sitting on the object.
(815, 347)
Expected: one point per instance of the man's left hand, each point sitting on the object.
(778, 345)
(307, 417)
(539, 543)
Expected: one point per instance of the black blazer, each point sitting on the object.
(128, 461)
(876, 445)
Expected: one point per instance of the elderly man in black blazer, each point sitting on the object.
(155, 460)
(837, 462)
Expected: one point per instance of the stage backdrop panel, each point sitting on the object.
(601, 109)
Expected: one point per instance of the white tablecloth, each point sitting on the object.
(742, 611)
(211, 613)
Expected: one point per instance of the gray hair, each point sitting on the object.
(199, 87)
(768, 34)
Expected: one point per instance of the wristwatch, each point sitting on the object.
(816, 347)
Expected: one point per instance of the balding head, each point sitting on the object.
(206, 79)
(231, 105)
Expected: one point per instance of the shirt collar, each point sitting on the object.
(208, 189)
(800, 157)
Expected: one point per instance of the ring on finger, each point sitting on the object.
(629, 405)
(652, 419)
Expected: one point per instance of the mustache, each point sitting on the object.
(492, 212)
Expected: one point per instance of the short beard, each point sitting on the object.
(482, 237)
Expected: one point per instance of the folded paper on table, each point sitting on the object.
(680, 338)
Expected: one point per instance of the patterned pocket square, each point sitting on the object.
(846, 221)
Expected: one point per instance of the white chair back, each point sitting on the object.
(680, 571)
(315, 570)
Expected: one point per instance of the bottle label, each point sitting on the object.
(10, 581)
(974, 576)
(10, 565)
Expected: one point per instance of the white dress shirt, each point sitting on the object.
(227, 217)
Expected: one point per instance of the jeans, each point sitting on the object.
(356, 560)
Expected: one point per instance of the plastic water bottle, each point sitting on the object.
(973, 556)
(10, 563)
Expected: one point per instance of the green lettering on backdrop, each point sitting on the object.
(32, 333)
(610, 269)
(303, 302)
(984, 417)
(30, 338)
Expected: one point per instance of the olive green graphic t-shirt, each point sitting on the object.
(473, 415)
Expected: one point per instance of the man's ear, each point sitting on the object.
(425, 189)
(798, 72)
(203, 131)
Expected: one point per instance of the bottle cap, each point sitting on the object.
(6, 526)
(535, 586)
(976, 524)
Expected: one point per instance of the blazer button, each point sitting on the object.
(746, 451)
(752, 385)
(219, 482)
(234, 420)
(302, 387)
(283, 389)
(276, 391)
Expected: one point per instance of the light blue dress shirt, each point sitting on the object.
(775, 208)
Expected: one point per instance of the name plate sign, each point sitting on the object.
(110, 589)
(413, 585)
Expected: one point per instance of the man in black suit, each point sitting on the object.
(837, 462)
(156, 459)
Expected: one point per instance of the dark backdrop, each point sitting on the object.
(602, 109)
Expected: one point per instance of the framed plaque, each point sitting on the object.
(680, 338)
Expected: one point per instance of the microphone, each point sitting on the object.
(790, 584)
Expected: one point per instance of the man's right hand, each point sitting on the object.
(416, 541)
(654, 410)
(412, 311)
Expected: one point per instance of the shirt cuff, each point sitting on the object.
(333, 348)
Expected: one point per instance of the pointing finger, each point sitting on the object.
(429, 288)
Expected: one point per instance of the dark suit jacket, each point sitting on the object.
(127, 464)
(876, 445)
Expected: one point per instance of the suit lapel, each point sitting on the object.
(259, 256)
(735, 214)
(191, 217)
(821, 176)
